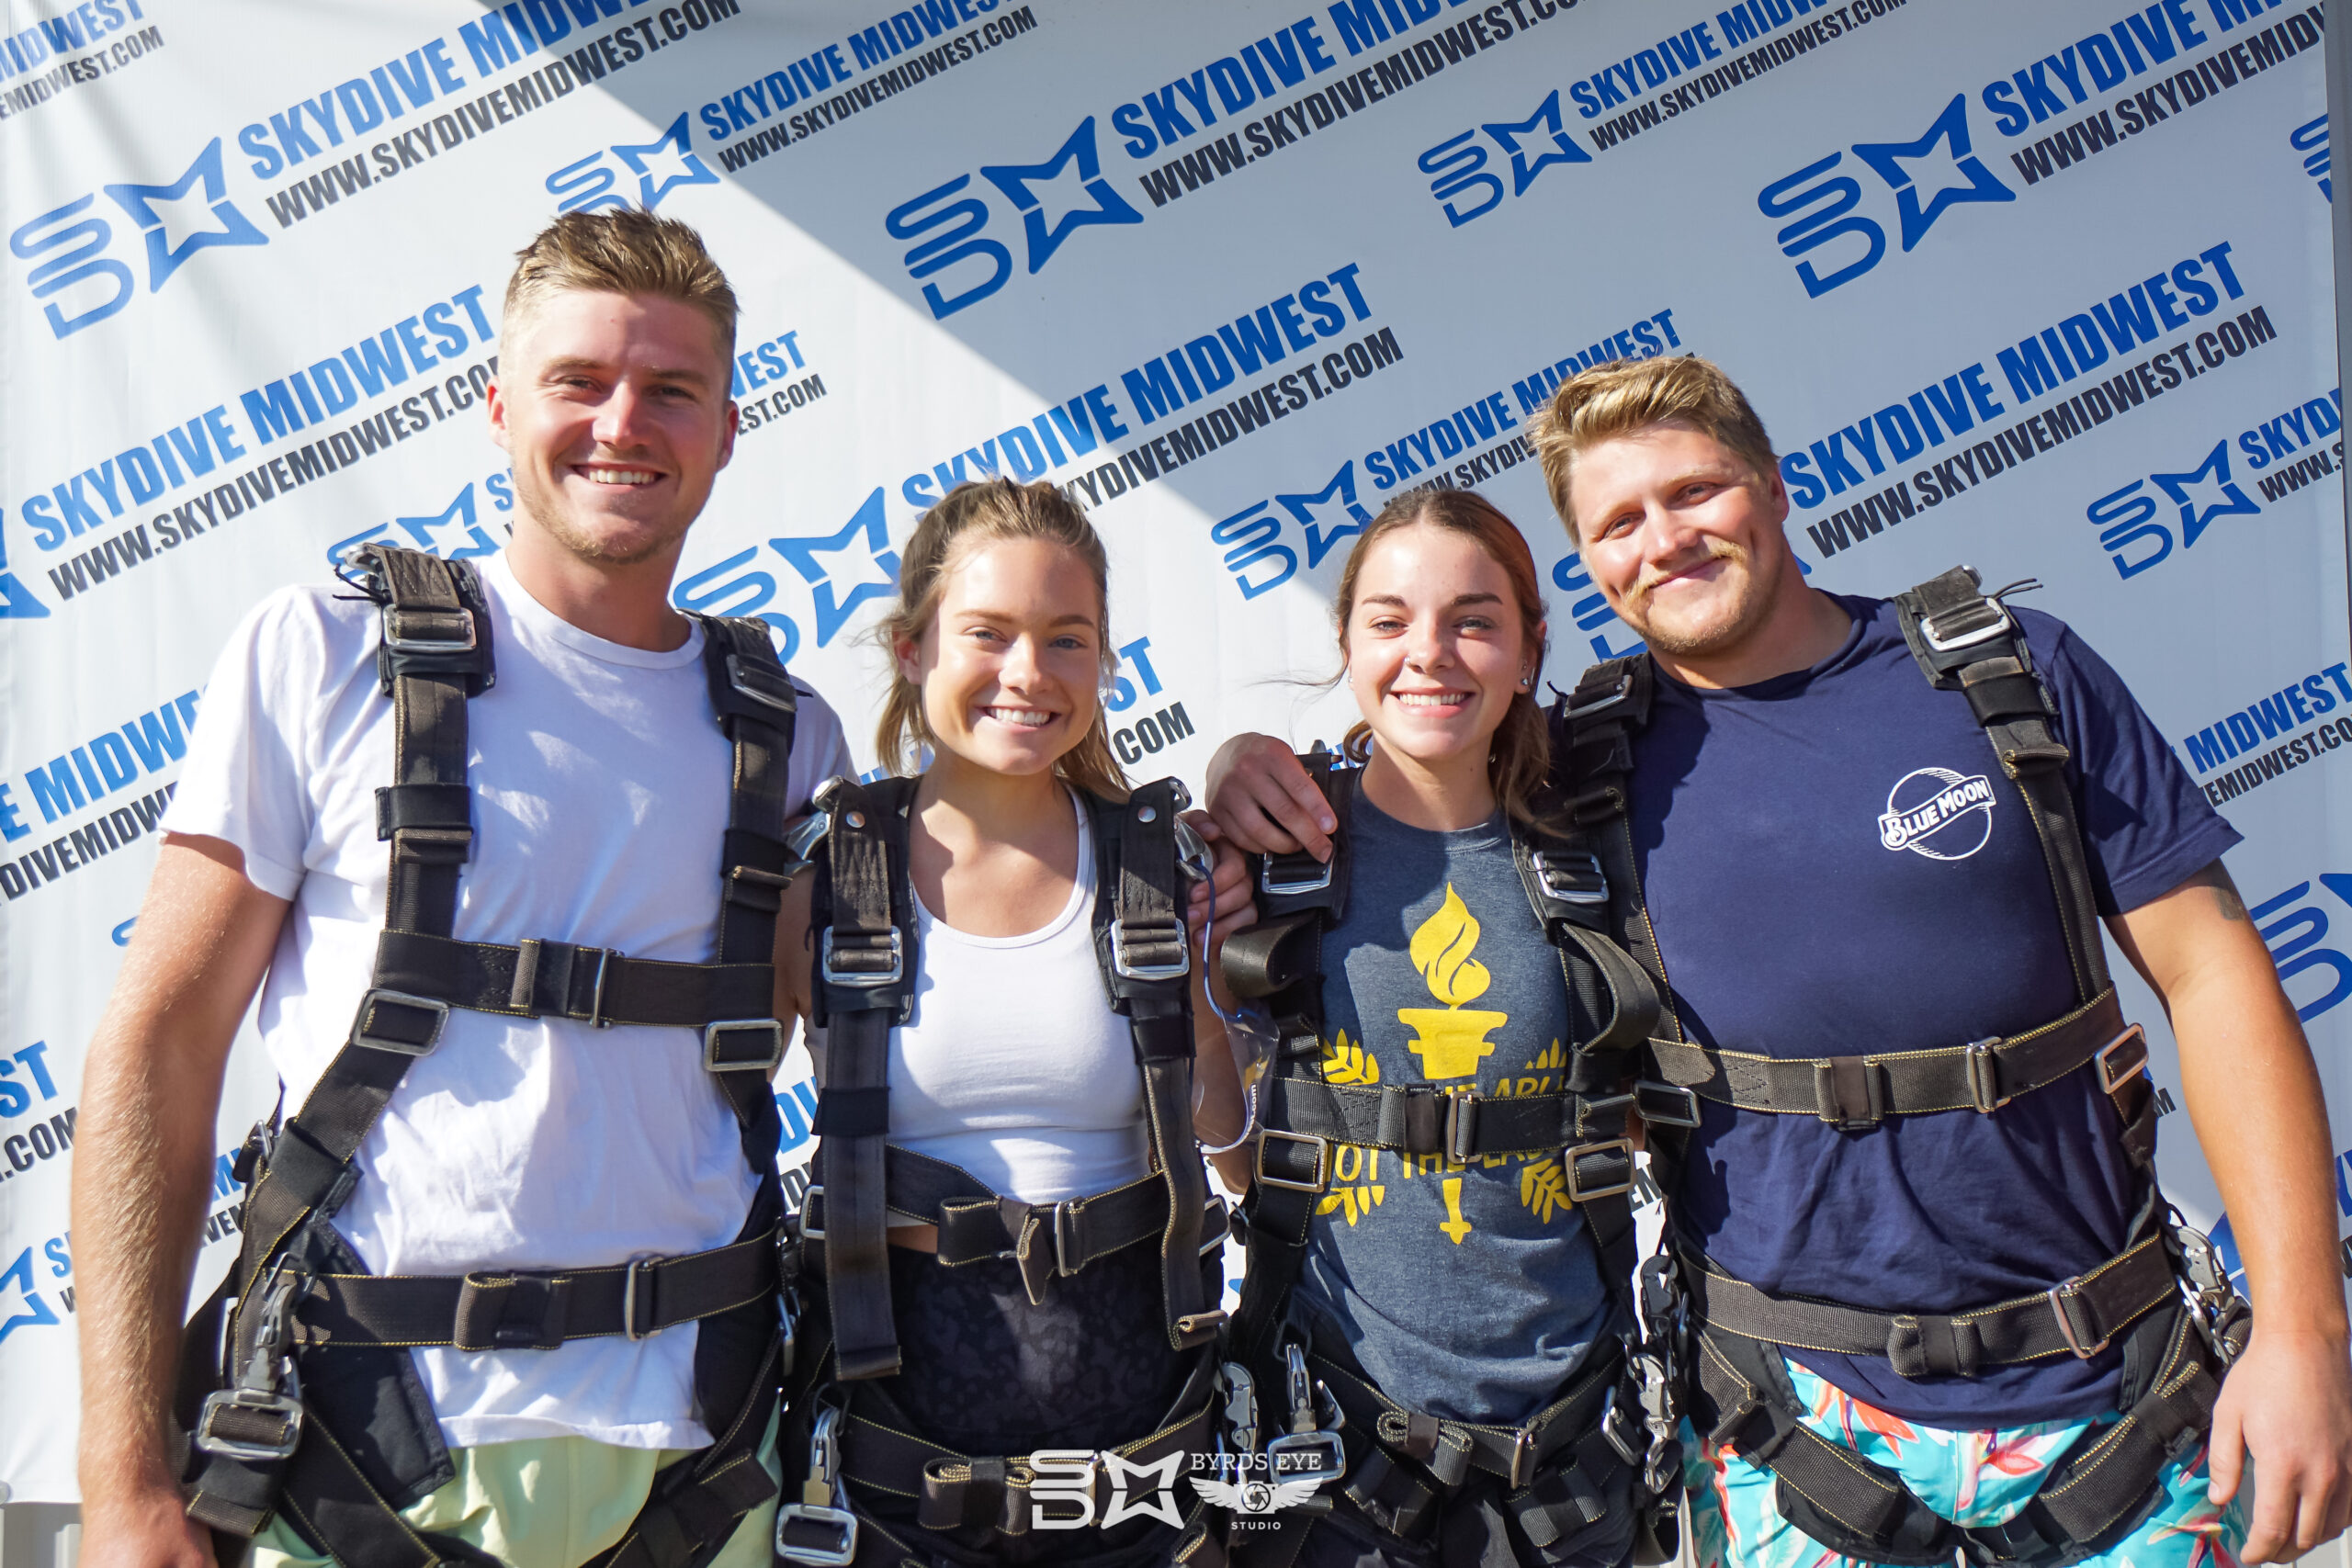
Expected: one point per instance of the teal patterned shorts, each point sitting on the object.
(1970, 1478)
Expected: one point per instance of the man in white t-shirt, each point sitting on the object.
(599, 789)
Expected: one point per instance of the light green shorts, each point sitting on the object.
(544, 1502)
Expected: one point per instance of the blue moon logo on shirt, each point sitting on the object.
(1938, 813)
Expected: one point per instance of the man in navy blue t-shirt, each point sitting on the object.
(1835, 866)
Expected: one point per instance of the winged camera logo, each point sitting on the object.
(1258, 1496)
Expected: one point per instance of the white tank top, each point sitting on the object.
(1013, 1066)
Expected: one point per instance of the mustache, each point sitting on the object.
(1713, 550)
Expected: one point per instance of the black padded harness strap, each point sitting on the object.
(435, 653)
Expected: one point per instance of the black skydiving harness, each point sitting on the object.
(1559, 1469)
(297, 1384)
(2173, 1351)
(862, 1449)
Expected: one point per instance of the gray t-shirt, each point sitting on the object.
(1471, 1294)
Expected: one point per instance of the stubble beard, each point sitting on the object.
(1719, 632)
(553, 518)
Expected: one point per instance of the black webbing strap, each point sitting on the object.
(537, 978)
(955, 1491)
(866, 966)
(1144, 952)
(1858, 1091)
(537, 1310)
(978, 1224)
(2079, 1318)
(2095, 1492)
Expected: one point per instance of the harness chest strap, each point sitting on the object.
(434, 654)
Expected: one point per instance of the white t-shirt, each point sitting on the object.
(600, 791)
(1013, 1066)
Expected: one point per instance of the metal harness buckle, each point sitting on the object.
(398, 644)
(268, 1387)
(2001, 622)
(604, 956)
(834, 977)
(712, 1032)
(1573, 877)
(253, 1401)
(2111, 1079)
(2059, 1295)
(819, 1505)
(808, 1206)
(1322, 1161)
(630, 1297)
(1461, 1128)
(1665, 1104)
(1984, 1068)
(1578, 1192)
(1603, 704)
(434, 1005)
(1284, 1454)
(1121, 964)
(759, 682)
(1321, 879)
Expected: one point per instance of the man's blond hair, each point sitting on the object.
(1627, 396)
(621, 251)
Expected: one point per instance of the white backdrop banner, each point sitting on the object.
(2042, 289)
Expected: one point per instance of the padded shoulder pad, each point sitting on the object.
(435, 616)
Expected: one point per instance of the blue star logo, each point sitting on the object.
(2204, 493)
(661, 167)
(35, 1312)
(453, 534)
(1508, 132)
(174, 232)
(833, 608)
(1046, 238)
(1975, 182)
(1339, 495)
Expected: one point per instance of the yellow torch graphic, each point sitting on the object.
(1451, 1041)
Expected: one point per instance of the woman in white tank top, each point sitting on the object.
(1013, 1066)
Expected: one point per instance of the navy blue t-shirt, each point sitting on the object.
(1789, 927)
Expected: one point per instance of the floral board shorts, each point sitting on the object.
(1970, 1478)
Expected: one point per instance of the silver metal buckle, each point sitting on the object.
(1624, 689)
(433, 1005)
(1984, 1074)
(737, 670)
(1573, 863)
(2057, 1296)
(1967, 639)
(1461, 1129)
(819, 1503)
(834, 977)
(1331, 1460)
(288, 1409)
(816, 1189)
(431, 643)
(771, 1026)
(596, 1019)
(1684, 1103)
(1322, 1161)
(1315, 883)
(1119, 963)
(2110, 1081)
(629, 1297)
(1578, 1193)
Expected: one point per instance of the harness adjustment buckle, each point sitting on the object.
(1603, 704)
(1972, 636)
(717, 1059)
(1312, 882)
(1983, 1069)
(768, 687)
(1665, 1104)
(246, 1411)
(631, 1295)
(429, 631)
(1573, 877)
(863, 979)
(2112, 1075)
(2063, 1298)
(365, 1025)
(1620, 1148)
(1460, 1137)
(1128, 969)
(1850, 1093)
(1522, 1458)
(809, 1201)
(817, 1531)
(1322, 1147)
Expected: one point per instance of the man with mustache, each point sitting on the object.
(1905, 1135)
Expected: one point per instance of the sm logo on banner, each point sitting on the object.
(1590, 609)
(2139, 523)
(1466, 189)
(965, 245)
(457, 532)
(657, 167)
(1253, 537)
(80, 273)
(1928, 177)
(2293, 925)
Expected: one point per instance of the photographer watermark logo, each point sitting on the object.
(1073, 1488)
(1937, 813)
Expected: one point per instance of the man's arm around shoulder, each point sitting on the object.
(2254, 1095)
(151, 1089)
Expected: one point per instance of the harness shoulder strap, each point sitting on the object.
(1145, 954)
(863, 916)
